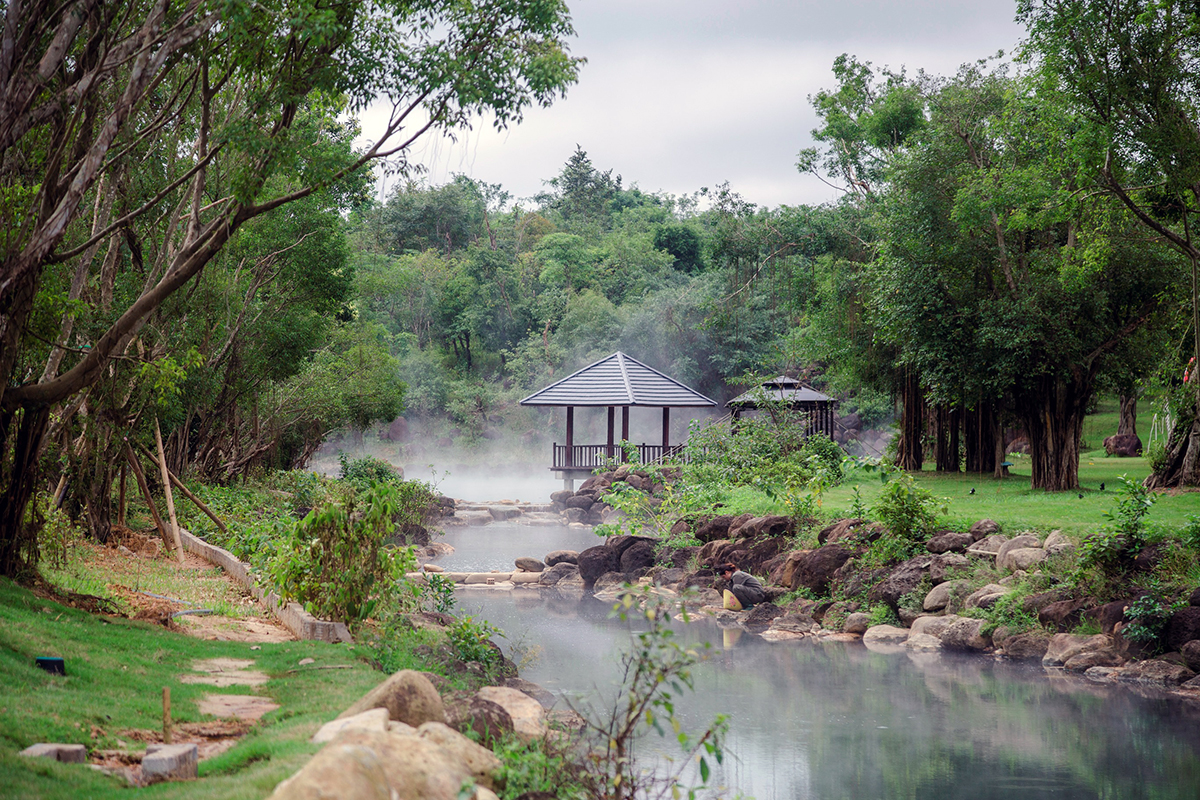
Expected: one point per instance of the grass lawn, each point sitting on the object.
(116, 670)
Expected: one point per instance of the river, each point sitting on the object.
(835, 721)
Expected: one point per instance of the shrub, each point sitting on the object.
(1113, 547)
(364, 472)
(537, 768)
(1145, 619)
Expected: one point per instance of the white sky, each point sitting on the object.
(680, 94)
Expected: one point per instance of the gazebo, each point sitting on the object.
(793, 395)
(617, 381)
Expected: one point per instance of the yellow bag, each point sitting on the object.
(731, 601)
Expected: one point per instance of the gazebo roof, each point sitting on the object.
(618, 380)
(781, 389)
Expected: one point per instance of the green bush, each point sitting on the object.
(537, 767)
(364, 472)
(909, 513)
(1113, 548)
(335, 561)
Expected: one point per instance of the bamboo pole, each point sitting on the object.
(141, 482)
(166, 715)
(188, 494)
(162, 464)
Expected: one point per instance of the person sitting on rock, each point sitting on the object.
(746, 589)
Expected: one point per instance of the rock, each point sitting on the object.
(857, 622)
(1093, 658)
(885, 635)
(1194, 598)
(556, 557)
(561, 497)
(1109, 615)
(922, 642)
(1182, 627)
(595, 561)
(397, 431)
(984, 528)
(1021, 558)
(965, 634)
(480, 763)
(622, 543)
(950, 542)
(1156, 673)
(64, 753)
(929, 625)
(1028, 646)
(715, 528)
(610, 581)
(759, 618)
(1036, 602)
(761, 528)
(1065, 646)
(849, 529)
(1057, 543)
(1191, 654)
(374, 719)
(988, 546)
(486, 718)
(528, 716)
(564, 570)
(1062, 615)
(408, 696)
(346, 771)
(416, 768)
(942, 595)
(1024, 540)
(794, 623)
(582, 502)
(1126, 445)
(170, 762)
(640, 555)
(526, 564)
(900, 581)
(533, 690)
(815, 568)
(946, 566)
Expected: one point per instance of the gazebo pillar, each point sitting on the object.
(610, 452)
(569, 460)
(666, 439)
(624, 432)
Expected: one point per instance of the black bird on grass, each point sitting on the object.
(972, 490)
(1081, 495)
(1102, 486)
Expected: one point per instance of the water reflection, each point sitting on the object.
(497, 546)
(831, 720)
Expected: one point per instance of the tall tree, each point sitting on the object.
(186, 110)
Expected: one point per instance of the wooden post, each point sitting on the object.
(611, 428)
(162, 465)
(624, 431)
(570, 461)
(121, 502)
(166, 715)
(178, 484)
(141, 481)
(666, 430)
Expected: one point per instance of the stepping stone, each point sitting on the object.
(66, 753)
(170, 762)
(240, 706)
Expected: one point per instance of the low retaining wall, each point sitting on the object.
(291, 615)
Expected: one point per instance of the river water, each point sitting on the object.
(835, 721)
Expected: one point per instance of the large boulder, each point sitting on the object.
(346, 771)
(638, 556)
(988, 546)
(950, 542)
(986, 596)
(966, 633)
(1028, 646)
(1182, 627)
(480, 762)
(1062, 615)
(580, 501)
(901, 580)
(759, 618)
(946, 594)
(622, 543)
(1025, 540)
(1127, 445)
(814, 569)
(528, 715)
(1191, 654)
(595, 561)
(884, 636)
(849, 529)
(983, 528)
(555, 557)
(1065, 646)
(1156, 673)
(762, 527)
(527, 564)
(564, 570)
(714, 528)
(1021, 558)
(409, 696)
(487, 719)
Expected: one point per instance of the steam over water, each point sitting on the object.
(814, 720)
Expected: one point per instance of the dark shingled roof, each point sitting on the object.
(618, 380)
(783, 388)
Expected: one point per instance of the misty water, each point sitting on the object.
(835, 721)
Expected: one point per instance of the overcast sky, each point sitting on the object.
(679, 94)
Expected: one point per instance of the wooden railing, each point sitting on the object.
(591, 456)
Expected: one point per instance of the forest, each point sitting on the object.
(193, 243)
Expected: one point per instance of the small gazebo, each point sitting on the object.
(817, 408)
(618, 381)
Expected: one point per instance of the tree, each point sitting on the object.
(163, 123)
(1131, 68)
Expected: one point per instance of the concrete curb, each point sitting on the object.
(291, 615)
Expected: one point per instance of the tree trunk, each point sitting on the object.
(19, 465)
(910, 456)
(1053, 415)
(946, 449)
(1127, 422)
(1181, 466)
(981, 432)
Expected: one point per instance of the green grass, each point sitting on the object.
(116, 670)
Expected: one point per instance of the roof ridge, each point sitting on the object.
(625, 375)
